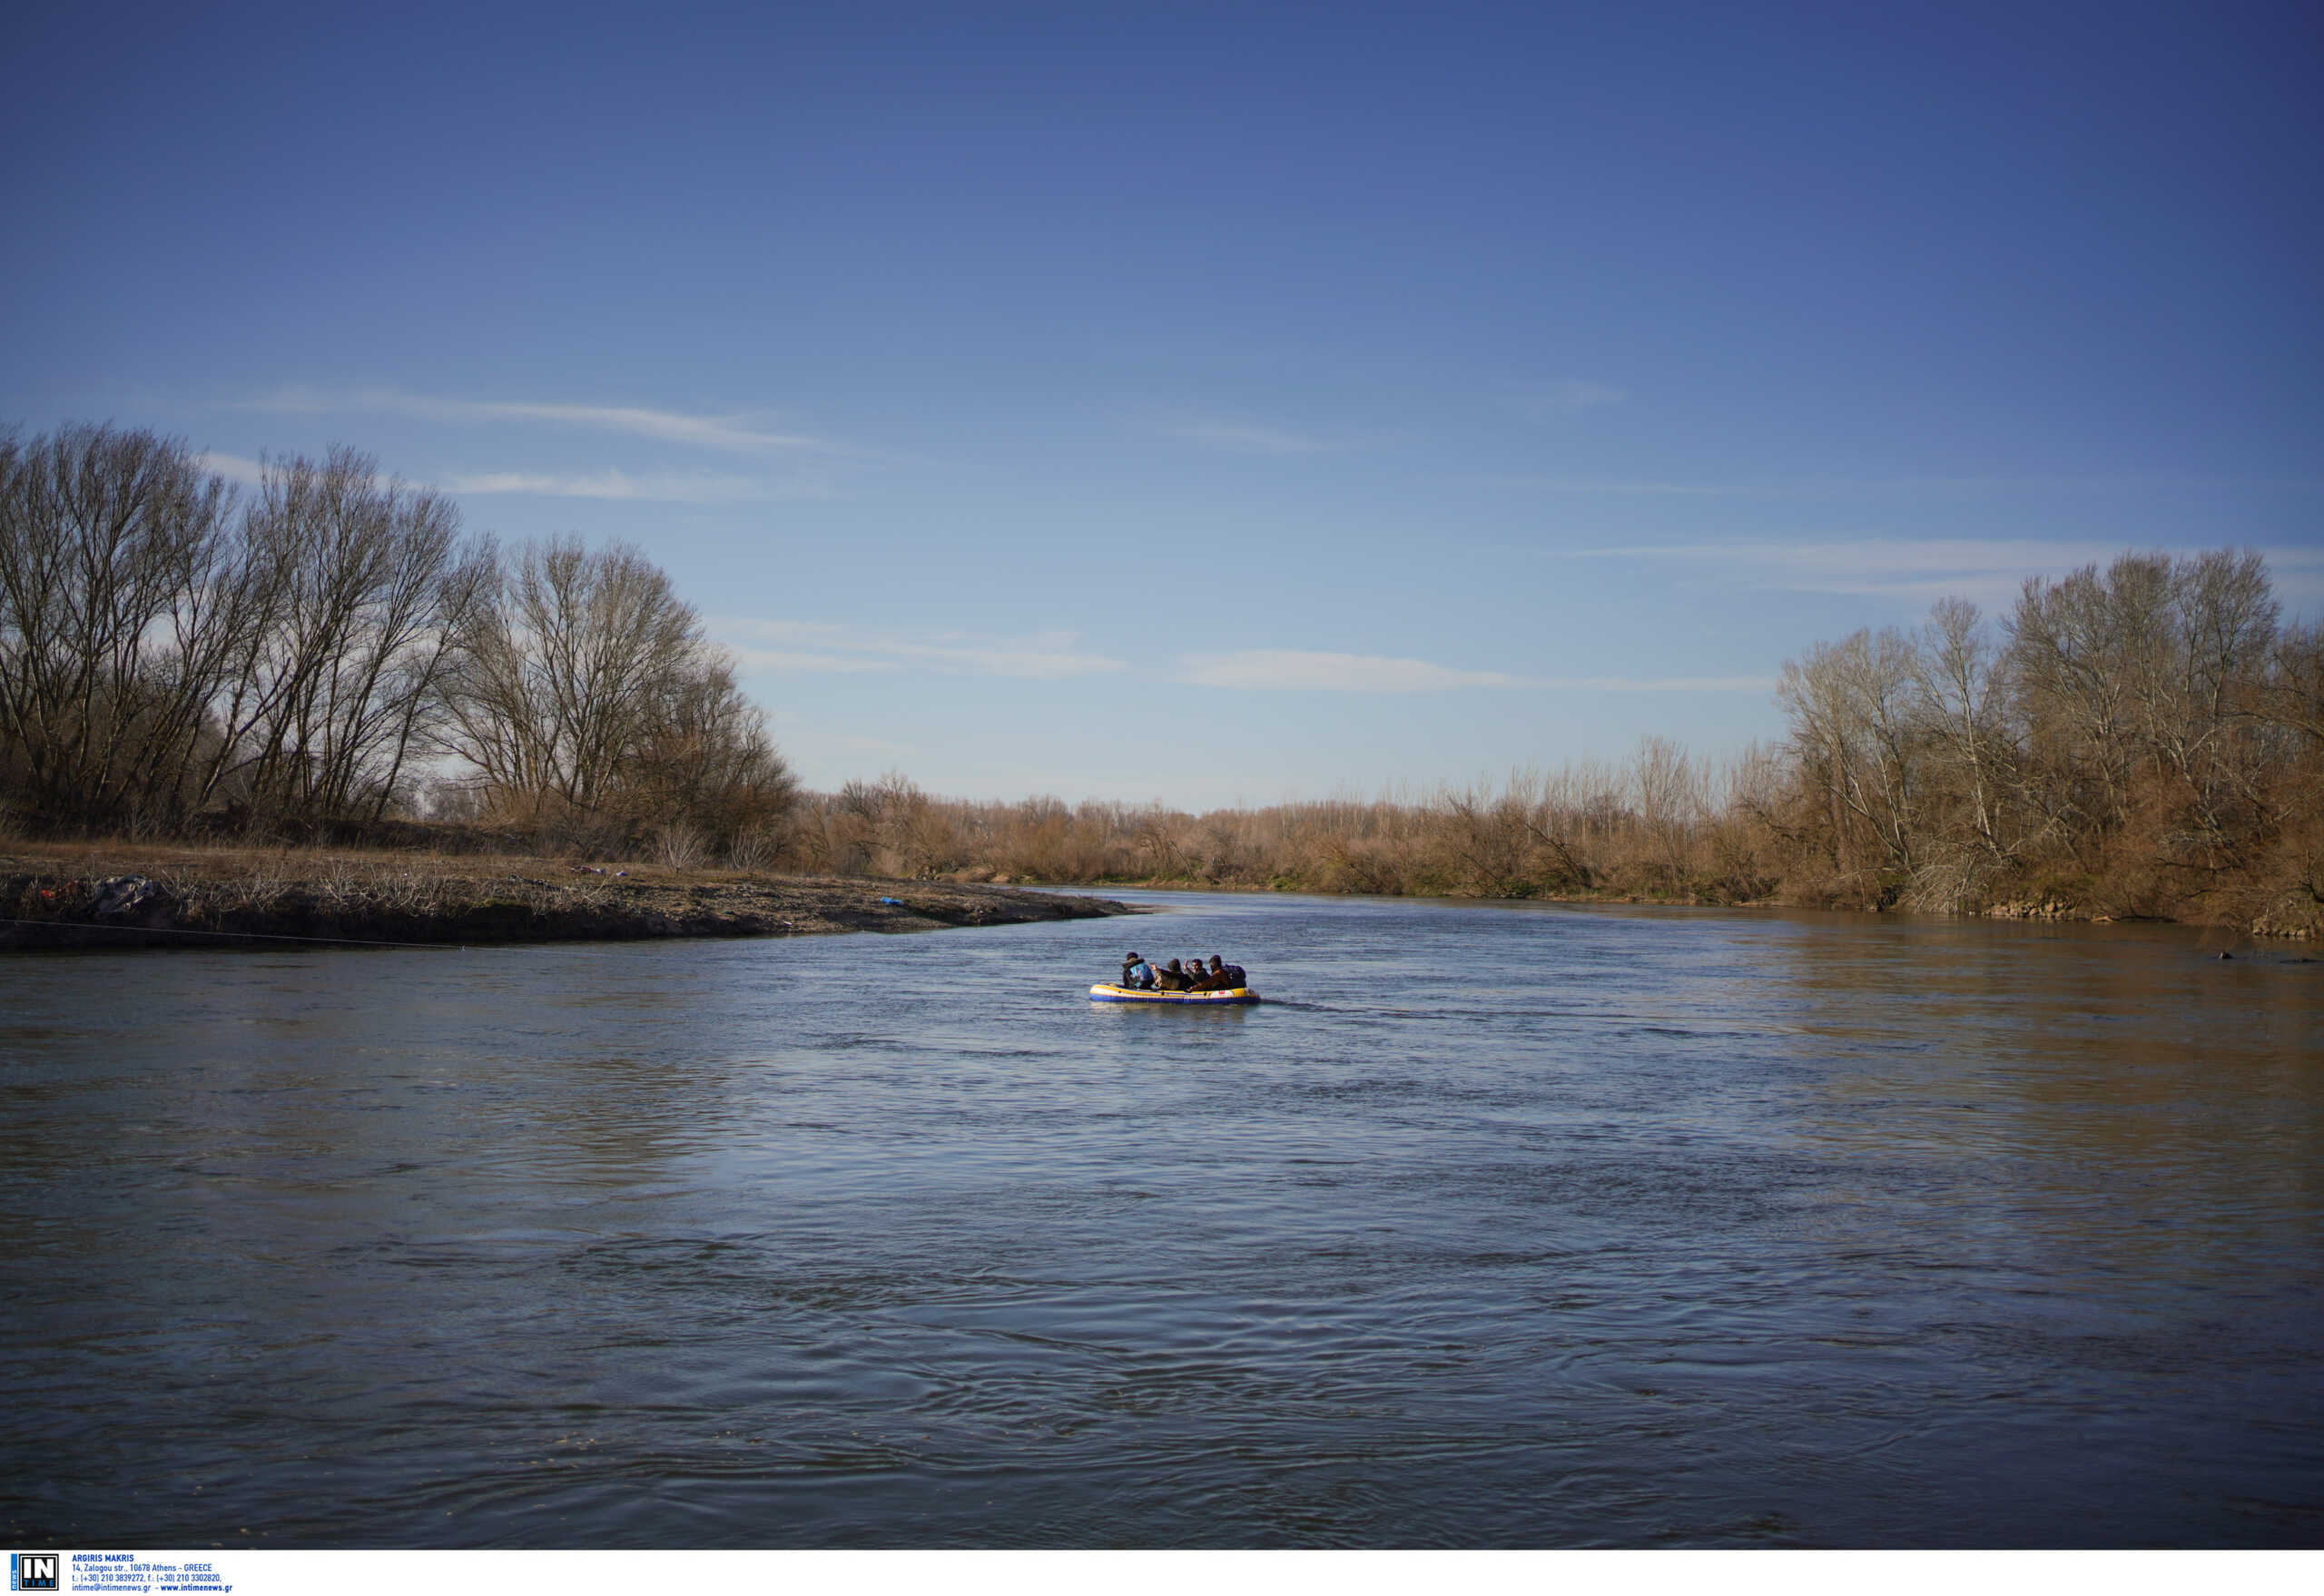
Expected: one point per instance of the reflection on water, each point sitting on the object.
(1497, 1225)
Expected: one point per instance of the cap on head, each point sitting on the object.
(1131, 954)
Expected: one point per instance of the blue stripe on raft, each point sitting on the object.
(1106, 993)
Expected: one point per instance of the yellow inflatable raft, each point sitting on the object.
(1106, 992)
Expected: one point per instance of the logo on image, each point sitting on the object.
(33, 1570)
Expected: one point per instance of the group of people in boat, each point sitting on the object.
(1139, 976)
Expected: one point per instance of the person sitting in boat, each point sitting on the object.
(1171, 979)
(1136, 973)
(1197, 978)
(1225, 978)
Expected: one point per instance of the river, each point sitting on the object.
(1495, 1225)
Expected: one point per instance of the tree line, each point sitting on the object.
(309, 658)
(2140, 739)
(330, 655)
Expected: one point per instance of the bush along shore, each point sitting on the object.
(2144, 742)
(252, 900)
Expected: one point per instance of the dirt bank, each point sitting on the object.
(195, 898)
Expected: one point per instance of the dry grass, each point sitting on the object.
(55, 897)
(217, 887)
(332, 869)
(1660, 827)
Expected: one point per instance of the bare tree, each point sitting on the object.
(703, 754)
(2222, 618)
(1556, 810)
(111, 546)
(2133, 681)
(568, 655)
(360, 592)
(2289, 692)
(1670, 789)
(1965, 708)
(2079, 651)
(586, 697)
(1851, 710)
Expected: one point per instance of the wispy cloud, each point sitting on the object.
(1256, 669)
(1249, 437)
(251, 473)
(821, 646)
(1567, 397)
(740, 432)
(756, 658)
(1846, 488)
(829, 647)
(1343, 673)
(1990, 571)
(793, 464)
(233, 467)
(663, 488)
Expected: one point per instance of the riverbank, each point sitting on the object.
(2292, 920)
(77, 897)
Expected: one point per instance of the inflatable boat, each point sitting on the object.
(1106, 992)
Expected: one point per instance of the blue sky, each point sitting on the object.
(1219, 403)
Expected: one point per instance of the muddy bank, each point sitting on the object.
(45, 907)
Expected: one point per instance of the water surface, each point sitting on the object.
(1496, 1226)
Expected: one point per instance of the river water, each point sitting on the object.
(1527, 1225)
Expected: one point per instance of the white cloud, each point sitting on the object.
(791, 659)
(1253, 669)
(1988, 570)
(823, 645)
(251, 473)
(666, 488)
(1249, 437)
(1344, 672)
(233, 467)
(743, 433)
(735, 434)
(660, 487)
(1844, 488)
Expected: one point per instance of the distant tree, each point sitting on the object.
(2131, 681)
(1670, 788)
(704, 760)
(2289, 692)
(587, 698)
(1852, 710)
(2078, 649)
(1965, 709)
